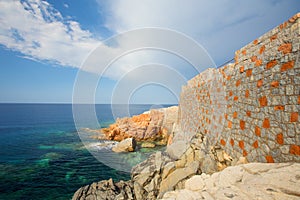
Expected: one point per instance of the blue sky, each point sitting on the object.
(43, 44)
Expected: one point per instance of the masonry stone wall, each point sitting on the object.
(251, 107)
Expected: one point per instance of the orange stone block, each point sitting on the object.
(285, 48)
(269, 159)
(253, 58)
(294, 117)
(287, 66)
(259, 83)
(248, 113)
(271, 64)
(249, 72)
(229, 124)
(255, 42)
(279, 138)
(232, 142)
(255, 144)
(262, 49)
(242, 69)
(273, 37)
(230, 93)
(235, 114)
(295, 149)
(228, 78)
(263, 101)
(236, 98)
(241, 144)
(266, 123)
(279, 108)
(222, 142)
(257, 131)
(247, 93)
(258, 62)
(244, 52)
(275, 84)
(245, 153)
(238, 82)
(242, 125)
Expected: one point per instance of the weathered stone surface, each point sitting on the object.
(127, 145)
(248, 181)
(178, 175)
(154, 125)
(106, 190)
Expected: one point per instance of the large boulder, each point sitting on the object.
(127, 145)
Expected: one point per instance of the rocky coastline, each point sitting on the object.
(209, 148)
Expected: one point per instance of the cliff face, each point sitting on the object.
(245, 111)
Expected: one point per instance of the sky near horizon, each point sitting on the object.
(44, 44)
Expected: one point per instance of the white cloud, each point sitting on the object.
(38, 31)
(222, 26)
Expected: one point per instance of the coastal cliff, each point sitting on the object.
(247, 111)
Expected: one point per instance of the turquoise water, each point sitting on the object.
(42, 156)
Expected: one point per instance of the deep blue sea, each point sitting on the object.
(42, 156)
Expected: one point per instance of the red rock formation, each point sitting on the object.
(155, 125)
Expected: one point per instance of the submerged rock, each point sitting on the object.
(127, 145)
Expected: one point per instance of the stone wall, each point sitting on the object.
(251, 107)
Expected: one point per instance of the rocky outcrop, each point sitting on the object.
(249, 181)
(127, 145)
(107, 190)
(155, 126)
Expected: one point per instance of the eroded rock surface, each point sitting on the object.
(154, 125)
(247, 181)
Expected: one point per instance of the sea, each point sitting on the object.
(43, 156)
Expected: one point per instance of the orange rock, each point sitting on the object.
(275, 84)
(295, 149)
(255, 144)
(287, 66)
(271, 64)
(294, 117)
(273, 37)
(279, 108)
(222, 142)
(298, 99)
(249, 72)
(253, 58)
(269, 159)
(262, 49)
(229, 124)
(235, 98)
(247, 93)
(244, 52)
(245, 153)
(235, 114)
(242, 125)
(258, 62)
(257, 131)
(266, 123)
(242, 69)
(238, 82)
(230, 93)
(263, 101)
(255, 42)
(279, 138)
(248, 113)
(241, 144)
(285, 48)
(259, 83)
(232, 142)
